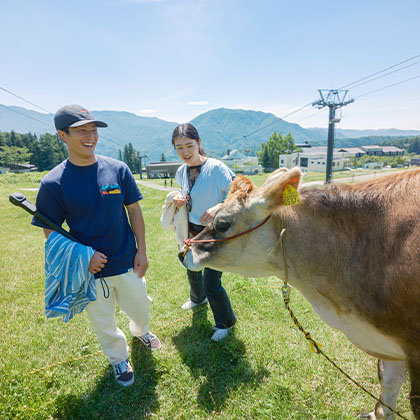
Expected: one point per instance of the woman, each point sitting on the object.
(205, 184)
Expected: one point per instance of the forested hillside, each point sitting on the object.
(44, 152)
(410, 144)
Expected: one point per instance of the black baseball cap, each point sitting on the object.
(74, 116)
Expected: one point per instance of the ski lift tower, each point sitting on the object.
(333, 99)
(140, 157)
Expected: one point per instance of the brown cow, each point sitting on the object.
(352, 250)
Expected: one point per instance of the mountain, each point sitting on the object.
(150, 136)
(220, 129)
(24, 120)
(355, 134)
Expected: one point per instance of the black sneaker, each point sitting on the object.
(150, 341)
(123, 373)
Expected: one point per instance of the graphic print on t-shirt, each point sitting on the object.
(111, 189)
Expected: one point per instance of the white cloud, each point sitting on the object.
(198, 103)
(148, 111)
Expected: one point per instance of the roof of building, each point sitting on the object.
(350, 150)
(391, 149)
(371, 147)
(234, 154)
(314, 150)
(163, 164)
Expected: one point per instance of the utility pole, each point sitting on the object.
(333, 99)
(140, 157)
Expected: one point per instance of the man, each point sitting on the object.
(92, 193)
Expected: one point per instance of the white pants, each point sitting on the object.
(129, 292)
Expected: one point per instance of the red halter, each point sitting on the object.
(188, 241)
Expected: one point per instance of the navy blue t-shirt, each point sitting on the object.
(91, 200)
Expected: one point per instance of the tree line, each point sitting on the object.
(17, 149)
(48, 150)
(276, 145)
(410, 144)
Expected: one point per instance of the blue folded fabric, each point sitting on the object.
(69, 286)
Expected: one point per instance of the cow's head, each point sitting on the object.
(245, 207)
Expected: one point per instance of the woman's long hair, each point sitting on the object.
(187, 130)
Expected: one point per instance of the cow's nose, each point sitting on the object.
(181, 254)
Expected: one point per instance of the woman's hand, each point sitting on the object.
(179, 201)
(208, 216)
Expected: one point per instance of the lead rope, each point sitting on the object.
(188, 241)
(315, 347)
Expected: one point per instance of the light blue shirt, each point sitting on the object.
(210, 188)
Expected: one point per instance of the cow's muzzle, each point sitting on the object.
(181, 254)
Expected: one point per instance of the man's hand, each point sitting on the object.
(208, 216)
(141, 263)
(97, 262)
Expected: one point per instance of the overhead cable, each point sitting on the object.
(380, 71)
(386, 87)
(25, 100)
(276, 121)
(40, 107)
(384, 75)
(312, 115)
(27, 116)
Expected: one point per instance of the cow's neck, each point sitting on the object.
(320, 249)
(320, 243)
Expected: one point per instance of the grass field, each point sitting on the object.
(264, 370)
(309, 177)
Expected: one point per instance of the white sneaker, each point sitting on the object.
(189, 304)
(220, 333)
(123, 373)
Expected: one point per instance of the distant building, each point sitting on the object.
(314, 159)
(241, 164)
(21, 167)
(303, 145)
(162, 169)
(415, 161)
(383, 150)
(373, 165)
(355, 151)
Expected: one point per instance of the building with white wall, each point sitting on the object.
(241, 164)
(314, 159)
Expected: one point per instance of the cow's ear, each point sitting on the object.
(273, 188)
(240, 187)
(274, 176)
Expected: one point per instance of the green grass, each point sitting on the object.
(309, 177)
(264, 370)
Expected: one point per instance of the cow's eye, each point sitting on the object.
(221, 226)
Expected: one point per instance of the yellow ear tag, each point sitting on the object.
(290, 196)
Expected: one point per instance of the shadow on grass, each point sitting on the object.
(223, 364)
(112, 401)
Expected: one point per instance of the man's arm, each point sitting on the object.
(135, 216)
(47, 232)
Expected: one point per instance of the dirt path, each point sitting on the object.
(152, 184)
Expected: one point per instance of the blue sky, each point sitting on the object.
(175, 59)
